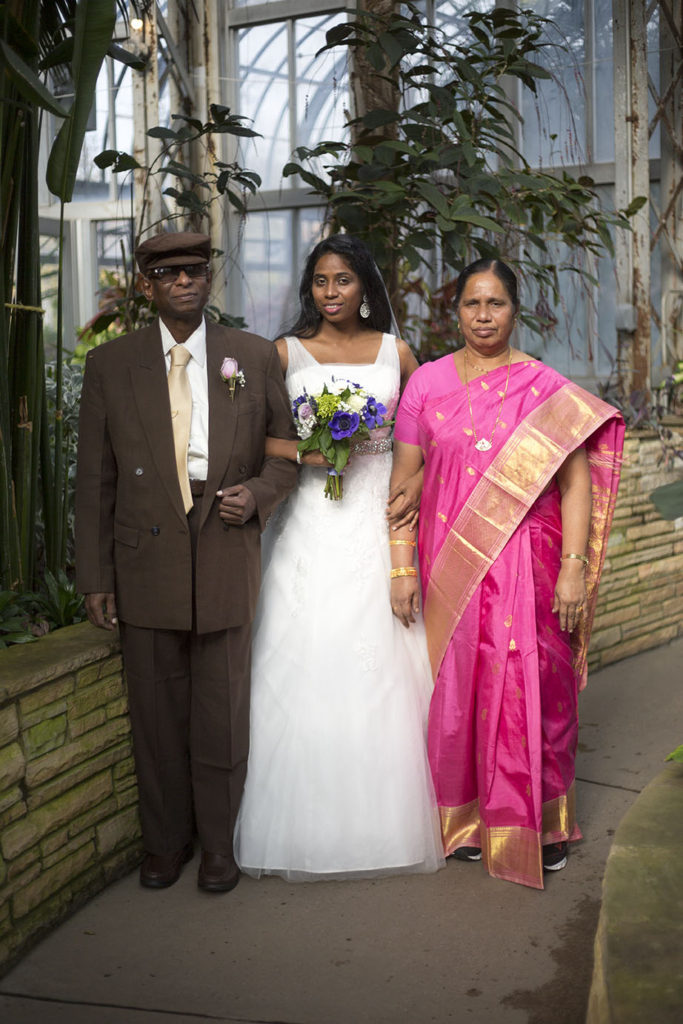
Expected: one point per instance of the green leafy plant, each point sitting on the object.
(42, 43)
(58, 602)
(193, 193)
(676, 755)
(669, 393)
(437, 179)
(13, 620)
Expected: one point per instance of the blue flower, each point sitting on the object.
(373, 413)
(344, 424)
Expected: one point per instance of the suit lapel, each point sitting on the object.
(222, 412)
(150, 387)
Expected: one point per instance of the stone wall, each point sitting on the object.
(68, 797)
(640, 603)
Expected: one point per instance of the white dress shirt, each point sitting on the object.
(198, 448)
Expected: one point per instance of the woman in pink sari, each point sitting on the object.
(520, 476)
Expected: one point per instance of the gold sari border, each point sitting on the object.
(459, 826)
(559, 817)
(498, 503)
(511, 852)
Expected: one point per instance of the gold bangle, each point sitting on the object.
(405, 570)
(395, 543)
(582, 558)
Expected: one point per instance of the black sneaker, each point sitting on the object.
(467, 853)
(555, 857)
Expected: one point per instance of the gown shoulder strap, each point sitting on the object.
(388, 353)
(297, 356)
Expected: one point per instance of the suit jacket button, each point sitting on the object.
(155, 531)
(139, 471)
(243, 469)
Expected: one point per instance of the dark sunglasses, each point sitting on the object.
(171, 274)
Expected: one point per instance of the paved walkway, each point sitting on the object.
(453, 947)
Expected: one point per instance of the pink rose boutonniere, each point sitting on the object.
(232, 375)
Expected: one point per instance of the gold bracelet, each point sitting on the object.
(395, 543)
(405, 570)
(582, 558)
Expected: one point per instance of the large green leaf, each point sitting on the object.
(93, 31)
(28, 83)
(668, 500)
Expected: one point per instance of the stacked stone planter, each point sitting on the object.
(68, 797)
(640, 604)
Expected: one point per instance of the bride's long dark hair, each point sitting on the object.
(359, 258)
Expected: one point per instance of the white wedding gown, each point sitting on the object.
(338, 784)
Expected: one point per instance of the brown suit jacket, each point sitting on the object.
(132, 536)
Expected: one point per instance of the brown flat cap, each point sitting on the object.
(172, 249)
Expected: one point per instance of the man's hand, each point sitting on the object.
(101, 610)
(237, 505)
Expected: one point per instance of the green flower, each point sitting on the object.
(327, 406)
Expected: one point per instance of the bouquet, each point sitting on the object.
(328, 422)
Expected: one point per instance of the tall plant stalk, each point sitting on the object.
(75, 35)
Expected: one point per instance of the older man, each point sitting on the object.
(173, 490)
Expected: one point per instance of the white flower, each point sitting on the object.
(355, 402)
(306, 425)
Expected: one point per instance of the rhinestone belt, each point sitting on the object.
(372, 447)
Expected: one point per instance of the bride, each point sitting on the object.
(338, 783)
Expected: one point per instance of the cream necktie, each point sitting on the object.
(180, 394)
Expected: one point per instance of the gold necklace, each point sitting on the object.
(482, 369)
(485, 444)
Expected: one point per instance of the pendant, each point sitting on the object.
(483, 445)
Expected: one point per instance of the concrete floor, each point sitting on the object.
(455, 946)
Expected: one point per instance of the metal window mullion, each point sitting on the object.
(230, 70)
(293, 139)
(291, 71)
(589, 76)
(111, 142)
(261, 13)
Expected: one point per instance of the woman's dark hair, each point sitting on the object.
(359, 258)
(500, 269)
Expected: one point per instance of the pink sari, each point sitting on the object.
(503, 719)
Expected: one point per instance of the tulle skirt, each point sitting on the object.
(338, 783)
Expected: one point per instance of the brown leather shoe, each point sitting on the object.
(158, 871)
(217, 872)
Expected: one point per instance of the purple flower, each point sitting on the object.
(344, 424)
(305, 411)
(373, 413)
(306, 400)
(229, 368)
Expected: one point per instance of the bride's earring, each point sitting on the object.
(364, 308)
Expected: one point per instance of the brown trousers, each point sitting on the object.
(188, 696)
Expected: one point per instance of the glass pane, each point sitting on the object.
(264, 97)
(321, 83)
(448, 13)
(113, 93)
(582, 345)
(267, 263)
(554, 129)
(603, 83)
(49, 272)
(113, 236)
(274, 249)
